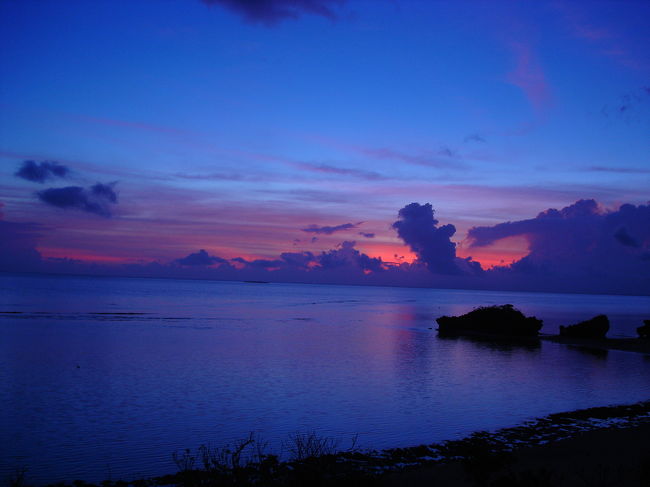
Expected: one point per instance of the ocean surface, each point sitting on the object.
(104, 378)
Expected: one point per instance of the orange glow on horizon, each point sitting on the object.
(388, 251)
(501, 253)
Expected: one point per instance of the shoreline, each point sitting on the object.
(576, 445)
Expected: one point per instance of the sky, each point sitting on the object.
(471, 144)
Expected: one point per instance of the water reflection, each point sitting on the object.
(505, 345)
(598, 353)
(285, 358)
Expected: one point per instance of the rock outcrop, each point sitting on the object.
(644, 331)
(491, 320)
(596, 327)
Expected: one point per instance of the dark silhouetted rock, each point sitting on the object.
(644, 331)
(490, 320)
(597, 327)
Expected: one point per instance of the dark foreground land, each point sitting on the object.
(604, 446)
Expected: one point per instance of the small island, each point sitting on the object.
(505, 322)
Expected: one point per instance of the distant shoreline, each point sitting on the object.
(514, 289)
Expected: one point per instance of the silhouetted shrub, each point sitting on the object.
(596, 327)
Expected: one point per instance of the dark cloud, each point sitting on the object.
(418, 229)
(97, 199)
(628, 105)
(367, 235)
(39, 172)
(346, 256)
(299, 260)
(474, 138)
(326, 230)
(271, 12)
(447, 152)
(104, 191)
(200, 258)
(579, 240)
(625, 238)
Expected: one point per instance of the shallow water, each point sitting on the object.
(106, 377)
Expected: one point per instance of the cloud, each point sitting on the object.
(419, 230)
(474, 138)
(582, 239)
(271, 12)
(367, 235)
(200, 258)
(342, 171)
(529, 77)
(326, 230)
(300, 260)
(96, 199)
(628, 106)
(346, 256)
(616, 43)
(447, 152)
(39, 172)
(625, 238)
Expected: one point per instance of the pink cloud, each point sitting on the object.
(529, 77)
(610, 42)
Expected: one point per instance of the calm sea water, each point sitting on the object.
(89, 391)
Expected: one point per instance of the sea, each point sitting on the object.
(105, 378)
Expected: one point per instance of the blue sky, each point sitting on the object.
(230, 133)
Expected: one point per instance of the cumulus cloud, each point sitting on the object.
(347, 256)
(327, 230)
(97, 199)
(418, 228)
(582, 239)
(39, 172)
(273, 11)
(298, 260)
(200, 258)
